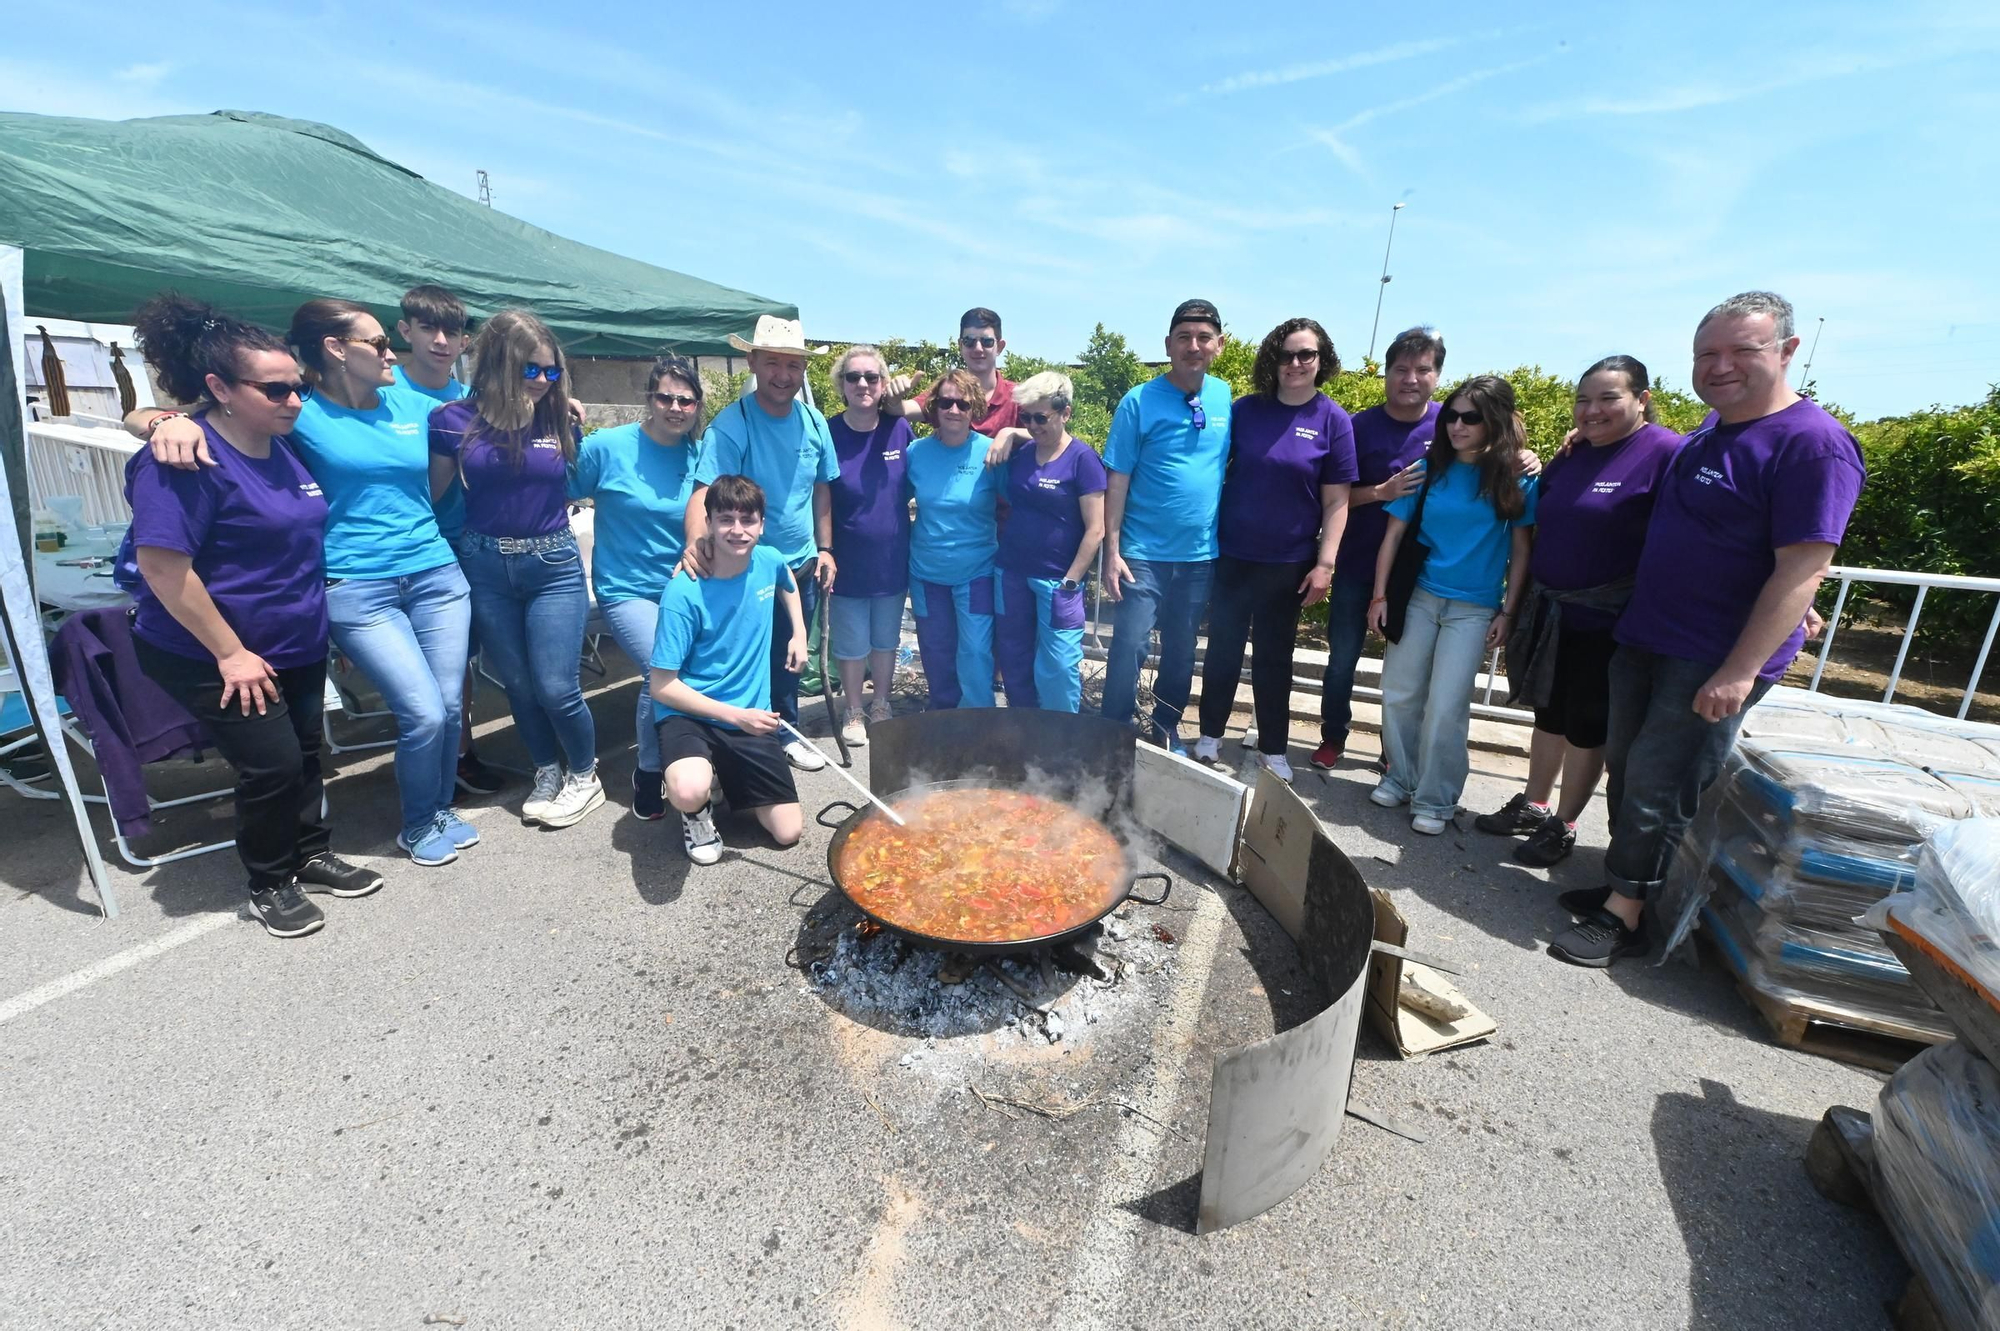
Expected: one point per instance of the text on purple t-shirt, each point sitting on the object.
(1044, 523)
(1383, 446)
(871, 515)
(1734, 495)
(255, 529)
(504, 496)
(1591, 519)
(1279, 457)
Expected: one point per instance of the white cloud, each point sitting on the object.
(146, 75)
(1319, 69)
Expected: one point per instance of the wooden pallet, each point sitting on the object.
(1840, 1161)
(1879, 1043)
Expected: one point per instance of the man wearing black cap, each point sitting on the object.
(1168, 445)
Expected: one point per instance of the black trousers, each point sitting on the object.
(279, 790)
(1260, 602)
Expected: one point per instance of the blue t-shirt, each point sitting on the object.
(641, 489)
(716, 632)
(450, 506)
(1469, 544)
(958, 525)
(786, 457)
(1176, 469)
(375, 470)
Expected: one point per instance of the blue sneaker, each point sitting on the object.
(429, 847)
(463, 834)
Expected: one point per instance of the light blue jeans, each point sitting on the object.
(531, 610)
(633, 623)
(1427, 683)
(408, 635)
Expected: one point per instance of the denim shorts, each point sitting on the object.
(862, 624)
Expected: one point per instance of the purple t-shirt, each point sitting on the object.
(1734, 495)
(1279, 457)
(255, 528)
(1591, 519)
(1044, 523)
(1383, 446)
(871, 515)
(503, 498)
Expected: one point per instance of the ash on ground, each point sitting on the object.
(892, 984)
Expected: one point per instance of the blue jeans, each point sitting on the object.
(633, 623)
(1427, 681)
(1171, 595)
(408, 636)
(1346, 635)
(531, 610)
(785, 683)
(1038, 641)
(955, 640)
(1659, 755)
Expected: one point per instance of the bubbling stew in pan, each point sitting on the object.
(981, 865)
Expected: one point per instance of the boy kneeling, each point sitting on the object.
(712, 678)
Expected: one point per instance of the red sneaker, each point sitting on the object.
(1325, 756)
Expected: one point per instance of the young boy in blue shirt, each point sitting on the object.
(712, 677)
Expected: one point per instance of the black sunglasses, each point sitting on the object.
(682, 400)
(951, 404)
(1447, 416)
(969, 340)
(278, 391)
(1200, 416)
(1306, 357)
(1037, 418)
(862, 377)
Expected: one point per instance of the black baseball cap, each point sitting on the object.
(1195, 311)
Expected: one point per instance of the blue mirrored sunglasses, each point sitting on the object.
(532, 371)
(1200, 416)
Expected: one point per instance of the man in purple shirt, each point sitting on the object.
(1744, 526)
(1389, 442)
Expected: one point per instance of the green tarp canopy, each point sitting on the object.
(256, 214)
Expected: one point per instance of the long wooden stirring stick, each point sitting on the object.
(845, 775)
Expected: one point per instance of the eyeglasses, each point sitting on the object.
(1447, 416)
(681, 400)
(532, 372)
(380, 342)
(951, 404)
(862, 377)
(1200, 417)
(278, 391)
(969, 341)
(1306, 357)
(1037, 418)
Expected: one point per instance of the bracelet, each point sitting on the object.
(164, 416)
(1380, 600)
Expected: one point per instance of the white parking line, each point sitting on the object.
(1106, 1250)
(21, 1004)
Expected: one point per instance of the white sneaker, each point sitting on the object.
(548, 780)
(1207, 750)
(699, 837)
(1429, 826)
(1386, 795)
(804, 756)
(853, 729)
(1277, 765)
(577, 797)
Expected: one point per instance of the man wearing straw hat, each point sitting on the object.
(783, 444)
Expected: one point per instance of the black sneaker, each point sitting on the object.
(1597, 940)
(648, 801)
(1548, 844)
(336, 877)
(1584, 901)
(1516, 818)
(285, 913)
(476, 778)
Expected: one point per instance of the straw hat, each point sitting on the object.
(785, 336)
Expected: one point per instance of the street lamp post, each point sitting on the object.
(1383, 289)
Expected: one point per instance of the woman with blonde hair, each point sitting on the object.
(871, 536)
(1054, 497)
(953, 544)
(510, 444)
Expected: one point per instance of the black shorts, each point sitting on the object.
(1580, 703)
(751, 768)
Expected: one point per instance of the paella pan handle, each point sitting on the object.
(1166, 887)
(843, 806)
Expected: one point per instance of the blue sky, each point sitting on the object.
(1582, 181)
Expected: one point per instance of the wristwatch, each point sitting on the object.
(1070, 585)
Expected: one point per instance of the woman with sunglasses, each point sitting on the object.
(510, 444)
(1278, 529)
(639, 476)
(871, 537)
(952, 545)
(1472, 513)
(395, 598)
(1054, 504)
(231, 615)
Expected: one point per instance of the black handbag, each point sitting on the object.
(1409, 562)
